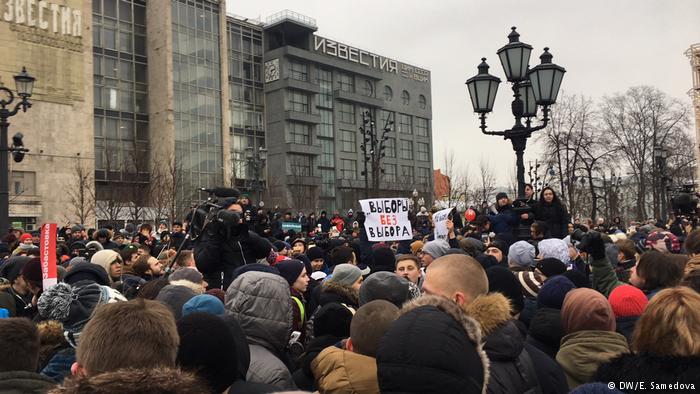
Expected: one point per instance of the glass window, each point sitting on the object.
(422, 127)
(407, 175)
(298, 70)
(404, 124)
(346, 82)
(327, 182)
(407, 150)
(423, 176)
(388, 93)
(325, 82)
(423, 152)
(327, 153)
(346, 112)
(348, 141)
(390, 172)
(325, 128)
(298, 101)
(298, 133)
(390, 145)
(300, 165)
(368, 88)
(405, 97)
(422, 102)
(348, 169)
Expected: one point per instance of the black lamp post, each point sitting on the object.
(534, 87)
(660, 155)
(256, 161)
(373, 147)
(25, 85)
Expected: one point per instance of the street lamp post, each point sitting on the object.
(660, 155)
(25, 85)
(256, 161)
(373, 147)
(534, 87)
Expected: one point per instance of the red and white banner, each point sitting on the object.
(48, 254)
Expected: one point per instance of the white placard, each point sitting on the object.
(386, 219)
(440, 222)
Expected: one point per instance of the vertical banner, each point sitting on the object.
(48, 254)
(386, 219)
(440, 222)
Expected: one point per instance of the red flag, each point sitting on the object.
(48, 254)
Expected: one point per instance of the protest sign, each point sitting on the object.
(47, 254)
(294, 226)
(386, 219)
(440, 222)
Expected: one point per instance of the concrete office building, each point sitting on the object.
(171, 93)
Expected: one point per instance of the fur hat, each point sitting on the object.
(416, 246)
(552, 293)
(385, 286)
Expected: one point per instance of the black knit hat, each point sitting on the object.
(333, 319)
(71, 305)
(208, 349)
(501, 195)
(84, 271)
(290, 270)
(503, 281)
(31, 272)
(383, 259)
(315, 253)
(551, 267)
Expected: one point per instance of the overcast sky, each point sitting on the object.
(606, 47)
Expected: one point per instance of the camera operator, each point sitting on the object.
(226, 243)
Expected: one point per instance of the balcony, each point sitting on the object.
(312, 150)
(304, 180)
(291, 83)
(302, 117)
(357, 98)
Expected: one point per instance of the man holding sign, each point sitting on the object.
(386, 219)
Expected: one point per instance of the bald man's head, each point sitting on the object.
(457, 277)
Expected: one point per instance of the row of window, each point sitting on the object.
(346, 82)
(302, 166)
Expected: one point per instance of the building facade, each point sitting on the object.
(139, 104)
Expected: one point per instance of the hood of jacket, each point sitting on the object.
(491, 311)
(127, 381)
(24, 382)
(339, 371)
(261, 303)
(196, 288)
(418, 352)
(336, 292)
(582, 352)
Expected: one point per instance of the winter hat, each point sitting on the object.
(105, 258)
(627, 301)
(555, 248)
(70, 305)
(175, 297)
(550, 267)
(436, 248)
(501, 195)
(203, 303)
(586, 309)
(12, 267)
(486, 260)
(530, 282)
(341, 255)
(345, 274)
(188, 274)
(31, 272)
(478, 245)
(579, 279)
(333, 319)
(521, 254)
(416, 246)
(385, 286)
(315, 253)
(501, 245)
(503, 281)
(663, 241)
(94, 245)
(290, 270)
(208, 348)
(299, 240)
(281, 245)
(383, 258)
(83, 270)
(552, 293)
(25, 237)
(218, 293)
(304, 260)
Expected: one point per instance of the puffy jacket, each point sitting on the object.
(261, 304)
(515, 367)
(545, 331)
(339, 371)
(650, 368)
(582, 352)
(213, 254)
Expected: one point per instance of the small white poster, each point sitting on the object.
(386, 219)
(440, 222)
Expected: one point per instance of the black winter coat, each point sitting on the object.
(213, 254)
(625, 326)
(545, 331)
(519, 368)
(556, 217)
(648, 368)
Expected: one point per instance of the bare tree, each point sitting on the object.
(81, 193)
(110, 201)
(458, 186)
(303, 195)
(635, 122)
(486, 182)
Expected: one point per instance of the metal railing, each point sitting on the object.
(291, 15)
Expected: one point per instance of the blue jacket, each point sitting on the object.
(504, 221)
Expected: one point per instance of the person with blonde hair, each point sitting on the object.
(665, 345)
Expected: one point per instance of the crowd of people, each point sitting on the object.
(521, 299)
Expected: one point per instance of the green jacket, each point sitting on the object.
(581, 353)
(604, 277)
